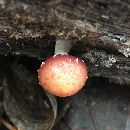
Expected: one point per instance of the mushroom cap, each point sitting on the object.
(63, 75)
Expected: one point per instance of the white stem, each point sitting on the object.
(62, 46)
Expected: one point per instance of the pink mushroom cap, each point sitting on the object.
(63, 75)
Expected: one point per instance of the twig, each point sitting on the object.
(7, 124)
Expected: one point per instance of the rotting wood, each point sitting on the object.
(30, 28)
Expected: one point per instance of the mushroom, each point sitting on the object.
(62, 74)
